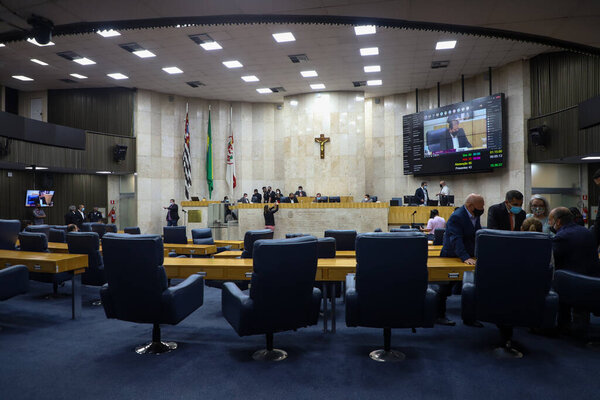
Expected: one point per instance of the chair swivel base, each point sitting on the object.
(270, 355)
(156, 348)
(507, 351)
(387, 355)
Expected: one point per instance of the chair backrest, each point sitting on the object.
(323, 199)
(45, 229)
(135, 275)
(86, 227)
(326, 247)
(434, 138)
(283, 278)
(57, 236)
(396, 201)
(409, 229)
(295, 235)
(88, 243)
(252, 236)
(33, 241)
(9, 231)
(438, 236)
(174, 234)
(391, 276)
(202, 236)
(344, 240)
(403, 227)
(111, 228)
(99, 228)
(60, 227)
(374, 199)
(285, 199)
(512, 276)
(334, 199)
(132, 230)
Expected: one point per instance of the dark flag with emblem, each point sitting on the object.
(187, 170)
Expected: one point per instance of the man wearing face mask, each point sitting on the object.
(508, 215)
(459, 241)
(421, 194)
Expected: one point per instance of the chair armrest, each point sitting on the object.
(577, 290)
(237, 308)
(223, 248)
(181, 300)
(468, 297)
(469, 277)
(550, 311)
(430, 309)
(13, 281)
(350, 281)
(352, 312)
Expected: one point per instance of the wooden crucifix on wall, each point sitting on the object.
(322, 140)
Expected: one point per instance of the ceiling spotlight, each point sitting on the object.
(144, 53)
(78, 76)
(104, 172)
(309, 74)
(369, 51)
(591, 158)
(35, 60)
(317, 86)
(108, 33)
(2, 45)
(172, 70)
(42, 30)
(250, 78)
(372, 68)
(284, 37)
(232, 64)
(33, 41)
(36, 167)
(118, 76)
(449, 44)
(22, 78)
(365, 30)
(211, 46)
(264, 90)
(375, 82)
(84, 61)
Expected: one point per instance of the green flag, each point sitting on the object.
(209, 159)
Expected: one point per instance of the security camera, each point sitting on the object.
(42, 29)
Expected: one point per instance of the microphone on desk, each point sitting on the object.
(183, 211)
(414, 212)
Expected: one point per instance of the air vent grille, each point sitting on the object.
(195, 84)
(297, 58)
(439, 64)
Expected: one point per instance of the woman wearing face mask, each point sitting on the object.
(539, 209)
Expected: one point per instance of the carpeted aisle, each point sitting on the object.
(46, 355)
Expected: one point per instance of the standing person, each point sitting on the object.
(77, 216)
(256, 197)
(508, 215)
(95, 215)
(444, 189)
(278, 195)
(81, 211)
(300, 192)
(38, 215)
(172, 213)
(421, 194)
(459, 241)
(265, 194)
(269, 217)
(70, 216)
(435, 222)
(539, 208)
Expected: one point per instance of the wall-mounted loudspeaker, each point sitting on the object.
(119, 152)
(539, 135)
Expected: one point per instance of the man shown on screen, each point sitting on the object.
(456, 138)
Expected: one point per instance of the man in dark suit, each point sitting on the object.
(172, 213)
(421, 194)
(269, 195)
(244, 199)
(292, 198)
(73, 217)
(508, 215)
(95, 215)
(455, 138)
(256, 197)
(300, 192)
(574, 248)
(459, 241)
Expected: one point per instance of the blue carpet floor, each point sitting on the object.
(46, 355)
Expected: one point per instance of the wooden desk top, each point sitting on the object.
(235, 244)
(196, 249)
(44, 262)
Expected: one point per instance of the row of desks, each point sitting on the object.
(433, 251)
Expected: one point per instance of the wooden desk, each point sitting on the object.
(235, 244)
(434, 251)
(52, 263)
(403, 215)
(195, 249)
(228, 254)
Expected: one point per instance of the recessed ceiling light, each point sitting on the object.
(264, 90)
(375, 82)
(250, 78)
(365, 29)
(35, 60)
(359, 98)
(591, 158)
(144, 53)
(84, 61)
(22, 78)
(309, 74)
(103, 172)
(293, 103)
(172, 70)
(369, 51)
(211, 46)
(108, 33)
(449, 44)
(284, 37)
(316, 86)
(232, 64)
(118, 76)
(78, 76)
(36, 167)
(372, 68)
(2, 45)
(33, 41)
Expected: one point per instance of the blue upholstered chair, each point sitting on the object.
(377, 230)
(326, 247)
(132, 230)
(390, 291)
(438, 236)
(88, 243)
(402, 227)
(38, 242)
(285, 199)
(252, 236)
(9, 231)
(99, 228)
(111, 228)
(86, 227)
(137, 288)
(374, 199)
(204, 236)
(282, 296)
(60, 227)
(511, 284)
(334, 199)
(581, 292)
(13, 281)
(409, 229)
(175, 234)
(344, 240)
(57, 236)
(45, 229)
(295, 235)
(434, 139)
